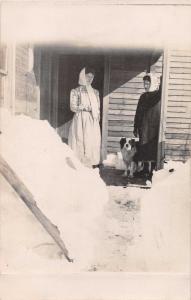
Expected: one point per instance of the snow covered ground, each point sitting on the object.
(131, 230)
(71, 196)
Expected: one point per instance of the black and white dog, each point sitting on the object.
(129, 149)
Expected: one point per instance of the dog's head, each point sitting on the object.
(127, 143)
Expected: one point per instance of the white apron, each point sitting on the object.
(84, 133)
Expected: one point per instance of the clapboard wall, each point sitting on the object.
(26, 92)
(21, 68)
(178, 109)
(126, 86)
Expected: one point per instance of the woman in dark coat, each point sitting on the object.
(147, 119)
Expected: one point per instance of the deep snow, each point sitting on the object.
(136, 230)
(70, 195)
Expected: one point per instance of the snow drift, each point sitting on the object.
(162, 238)
(165, 220)
(69, 194)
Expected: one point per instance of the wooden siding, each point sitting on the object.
(126, 86)
(26, 93)
(21, 69)
(178, 114)
(3, 73)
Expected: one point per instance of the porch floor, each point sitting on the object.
(114, 177)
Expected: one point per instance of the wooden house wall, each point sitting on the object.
(26, 92)
(178, 111)
(126, 86)
(3, 73)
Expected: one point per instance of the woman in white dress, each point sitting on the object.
(84, 133)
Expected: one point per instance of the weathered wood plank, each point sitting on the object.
(179, 98)
(180, 70)
(178, 142)
(177, 152)
(177, 87)
(176, 109)
(180, 81)
(178, 125)
(123, 106)
(121, 117)
(177, 147)
(121, 128)
(23, 192)
(121, 133)
(123, 101)
(182, 65)
(158, 64)
(179, 93)
(111, 150)
(125, 78)
(114, 139)
(128, 84)
(114, 145)
(181, 59)
(179, 103)
(173, 114)
(178, 118)
(178, 130)
(180, 76)
(121, 112)
(121, 122)
(122, 73)
(180, 136)
(181, 53)
(121, 95)
(129, 90)
(177, 158)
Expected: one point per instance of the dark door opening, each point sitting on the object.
(69, 69)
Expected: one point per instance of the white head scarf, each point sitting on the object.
(154, 82)
(91, 94)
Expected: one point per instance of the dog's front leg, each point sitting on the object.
(140, 166)
(125, 173)
(131, 174)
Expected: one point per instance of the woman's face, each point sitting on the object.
(89, 78)
(147, 85)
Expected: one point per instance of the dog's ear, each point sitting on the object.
(122, 142)
(132, 142)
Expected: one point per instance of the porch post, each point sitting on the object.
(164, 100)
(45, 85)
(55, 74)
(105, 107)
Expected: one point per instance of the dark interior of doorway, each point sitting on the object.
(69, 69)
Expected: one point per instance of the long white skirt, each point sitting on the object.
(85, 138)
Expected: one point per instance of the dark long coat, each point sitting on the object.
(147, 120)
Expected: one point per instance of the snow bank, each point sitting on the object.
(114, 160)
(165, 220)
(71, 195)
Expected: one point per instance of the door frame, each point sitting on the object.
(163, 110)
(107, 73)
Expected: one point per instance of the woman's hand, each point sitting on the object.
(88, 108)
(80, 107)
